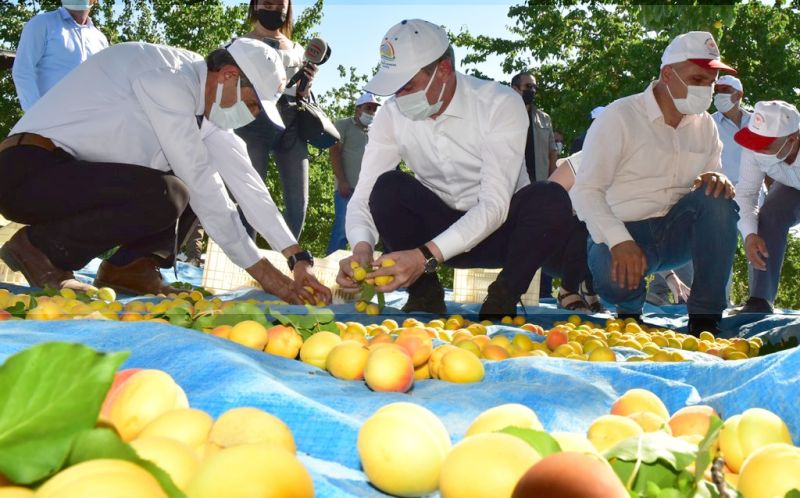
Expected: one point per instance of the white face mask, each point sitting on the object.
(559, 147)
(76, 4)
(366, 119)
(230, 118)
(415, 105)
(697, 100)
(723, 102)
(765, 161)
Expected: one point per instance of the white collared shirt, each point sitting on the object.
(635, 166)
(751, 184)
(51, 45)
(143, 110)
(731, 151)
(471, 157)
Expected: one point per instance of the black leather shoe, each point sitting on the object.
(499, 303)
(704, 323)
(757, 305)
(426, 295)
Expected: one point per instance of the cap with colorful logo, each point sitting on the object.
(731, 81)
(695, 46)
(771, 119)
(405, 49)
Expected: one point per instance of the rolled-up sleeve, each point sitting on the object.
(31, 48)
(169, 108)
(602, 153)
(502, 154)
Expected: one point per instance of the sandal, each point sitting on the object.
(571, 301)
(591, 299)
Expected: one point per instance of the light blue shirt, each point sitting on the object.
(731, 151)
(52, 44)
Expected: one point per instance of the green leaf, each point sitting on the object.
(367, 292)
(542, 442)
(654, 446)
(321, 315)
(795, 493)
(704, 448)
(286, 320)
(49, 394)
(105, 443)
(381, 302)
(18, 310)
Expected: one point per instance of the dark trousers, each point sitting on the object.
(570, 262)
(408, 215)
(78, 209)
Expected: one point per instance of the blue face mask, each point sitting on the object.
(76, 4)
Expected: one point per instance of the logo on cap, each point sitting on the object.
(711, 45)
(757, 121)
(387, 51)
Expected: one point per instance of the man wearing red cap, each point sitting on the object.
(651, 188)
(771, 142)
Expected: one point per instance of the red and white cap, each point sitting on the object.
(771, 119)
(695, 46)
(406, 48)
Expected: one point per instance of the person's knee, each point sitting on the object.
(775, 217)
(167, 200)
(723, 211)
(546, 198)
(387, 190)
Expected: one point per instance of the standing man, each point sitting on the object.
(540, 143)
(53, 44)
(346, 162)
(652, 191)
(771, 141)
(119, 168)
(469, 204)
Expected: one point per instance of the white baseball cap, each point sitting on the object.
(731, 81)
(263, 67)
(367, 98)
(771, 119)
(695, 46)
(597, 111)
(405, 49)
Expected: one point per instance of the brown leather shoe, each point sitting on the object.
(140, 276)
(22, 256)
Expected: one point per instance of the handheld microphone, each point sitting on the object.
(317, 52)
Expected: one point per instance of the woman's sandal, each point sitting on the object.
(571, 301)
(592, 300)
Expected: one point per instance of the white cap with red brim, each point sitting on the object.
(698, 47)
(771, 119)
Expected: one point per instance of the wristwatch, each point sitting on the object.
(300, 256)
(431, 264)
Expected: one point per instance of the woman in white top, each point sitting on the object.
(272, 23)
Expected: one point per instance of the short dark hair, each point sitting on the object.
(221, 57)
(288, 25)
(515, 81)
(448, 55)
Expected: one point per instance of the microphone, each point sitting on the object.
(317, 52)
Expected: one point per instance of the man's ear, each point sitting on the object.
(227, 72)
(738, 98)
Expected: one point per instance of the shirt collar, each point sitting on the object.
(456, 107)
(66, 16)
(650, 104)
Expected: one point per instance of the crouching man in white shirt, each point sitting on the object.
(119, 167)
(651, 188)
(771, 143)
(469, 203)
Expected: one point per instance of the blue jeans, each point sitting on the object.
(780, 212)
(698, 228)
(291, 157)
(338, 236)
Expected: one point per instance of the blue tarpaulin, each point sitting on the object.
(325, 413)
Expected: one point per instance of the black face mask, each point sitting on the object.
(527, 96)
(271, 19)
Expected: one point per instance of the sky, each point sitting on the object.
(353, 29)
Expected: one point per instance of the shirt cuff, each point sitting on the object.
(616, 234)
(360, 234)
(244, 254)
(748, 225)
(449, 243)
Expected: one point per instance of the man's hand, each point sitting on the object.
(628, 264)
(715, 184)
(362, 254)
(345, 190)
(756, 250)
(304, 279)
(679, 290)
(276, 283)
(407, 268)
